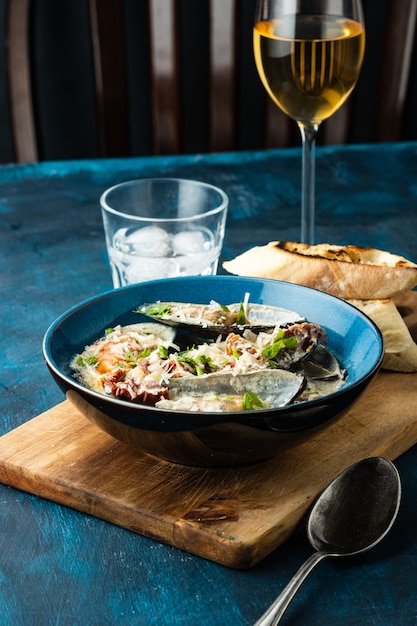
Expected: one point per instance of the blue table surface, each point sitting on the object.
(59, 566)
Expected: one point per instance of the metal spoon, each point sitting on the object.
(352, 515)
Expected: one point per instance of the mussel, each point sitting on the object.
(214, 318)
(323, 365)
(234, 392)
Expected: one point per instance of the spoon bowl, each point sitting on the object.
(355, 511)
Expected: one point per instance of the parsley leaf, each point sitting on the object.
(207, 362)
(91, 360)
(280, 342)
(163, 352)
(241, 317)
(250, 401)
(184, 357)
(156, 310)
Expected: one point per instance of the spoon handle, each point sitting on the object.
(273, 614)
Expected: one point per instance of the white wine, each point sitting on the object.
(309, 64)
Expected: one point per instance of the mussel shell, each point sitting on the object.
(211, 319)
(274, 387)
(322, 365)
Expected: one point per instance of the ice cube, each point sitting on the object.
(150, 241)
(191, 242)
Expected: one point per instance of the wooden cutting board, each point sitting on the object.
(231, 516)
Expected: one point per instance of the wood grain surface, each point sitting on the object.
(233, 516)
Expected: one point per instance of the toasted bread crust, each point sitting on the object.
(349, 272)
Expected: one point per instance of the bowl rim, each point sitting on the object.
(259, 413)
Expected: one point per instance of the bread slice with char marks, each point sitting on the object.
(348, 272)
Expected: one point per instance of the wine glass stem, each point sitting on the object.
(308, 136)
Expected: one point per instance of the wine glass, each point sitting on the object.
(309, 54)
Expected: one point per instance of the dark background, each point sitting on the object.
(64, 92)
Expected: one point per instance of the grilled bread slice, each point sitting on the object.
(348, 272)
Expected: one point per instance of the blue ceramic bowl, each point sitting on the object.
(214, 439)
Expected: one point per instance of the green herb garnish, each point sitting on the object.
(163, 352)
(251, 401)
(184, 357)
(144, 353)
(241, 316)
(207, 362)
(156, 310)
(91, 360)
(280, 342)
